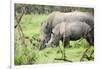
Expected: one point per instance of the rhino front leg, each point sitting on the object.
(65, 44)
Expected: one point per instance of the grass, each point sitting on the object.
(31, 24)
(32, 55)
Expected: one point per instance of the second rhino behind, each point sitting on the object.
(55, 18)
(71, 31)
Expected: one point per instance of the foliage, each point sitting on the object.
(42, 9)
(32, 55)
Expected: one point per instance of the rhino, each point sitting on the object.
(71, 31)
(58, 17)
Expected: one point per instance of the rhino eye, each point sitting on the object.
(52, 33)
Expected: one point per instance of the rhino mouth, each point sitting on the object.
(42, 47)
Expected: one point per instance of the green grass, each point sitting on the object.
(31, 24)
(32, 55)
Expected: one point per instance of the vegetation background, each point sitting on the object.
(28, 19)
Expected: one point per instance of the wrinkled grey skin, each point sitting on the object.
(70, 31)
(58, 17)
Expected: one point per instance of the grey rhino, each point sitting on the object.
(58, 17)
(71, 31)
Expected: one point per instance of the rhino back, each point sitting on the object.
(77, 30)
(80, 16)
